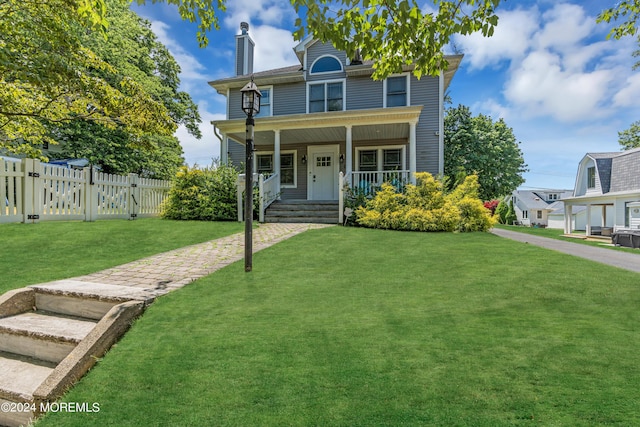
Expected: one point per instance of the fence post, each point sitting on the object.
(341, 185)
(133, 206)
(90, 194)
(32, 190)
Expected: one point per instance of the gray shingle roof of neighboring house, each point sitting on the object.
(537, 200)
(619, 171)
(557, 208)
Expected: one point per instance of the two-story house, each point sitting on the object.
(608, 183)
(325, 116)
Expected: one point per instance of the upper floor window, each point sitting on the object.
(326, 97)
(397, 89)
(326, 64)
(265, 103)
(552, 196)
(591, 177)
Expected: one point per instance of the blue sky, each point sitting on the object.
(548, 71)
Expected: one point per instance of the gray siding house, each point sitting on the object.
(609, 183)
(325, 123)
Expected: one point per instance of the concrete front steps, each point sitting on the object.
(308, 211)
(52, 334)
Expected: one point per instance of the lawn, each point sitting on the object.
(36, 253)
(359, 327)
(554, 233)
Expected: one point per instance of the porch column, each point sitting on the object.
(412, 152)
(588, 226)
(568, 212)
(349, 148)
(224, 150)
(276, 159)
(604, 215)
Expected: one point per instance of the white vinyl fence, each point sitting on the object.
(32, 191)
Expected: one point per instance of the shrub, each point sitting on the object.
(203, 194)
(501, 212)
(426, 207)
(510, 216)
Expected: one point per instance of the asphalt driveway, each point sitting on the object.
(626, 260)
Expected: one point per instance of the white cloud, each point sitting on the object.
(267, 12)
(274, 48)
(510, 40)
(628, 96)
(565, 26)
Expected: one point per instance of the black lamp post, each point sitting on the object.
(251, 107)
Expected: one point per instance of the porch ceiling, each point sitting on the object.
(367, 125)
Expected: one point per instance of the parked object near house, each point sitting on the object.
(325, 123)
(534, 207)
(33, 191)
(610, 184)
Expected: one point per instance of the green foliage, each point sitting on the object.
(49, 77)
(627, 9)
(426, 207)
(510, 217)
(395, 34)
(480, 146)
(501, 212)
(203, 194)
(630, 138)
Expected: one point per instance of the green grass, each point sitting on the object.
(554, 233)
(358, 327)
(36, 253)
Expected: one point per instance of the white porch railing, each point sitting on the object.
(31, 191)
(268, 193)
(369, 182)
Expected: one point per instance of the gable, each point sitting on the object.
(625, 171)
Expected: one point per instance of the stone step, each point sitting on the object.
(304, 220)
(86, 299)
(303, 211)
(42, 335)
(20, 377)
(320, 213)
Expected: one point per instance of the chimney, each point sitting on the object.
(244, 51)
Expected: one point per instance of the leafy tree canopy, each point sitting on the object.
(630, 138)
(478, 145)
(49, 77)
(627, 11)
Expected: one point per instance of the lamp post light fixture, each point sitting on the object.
(251, 107)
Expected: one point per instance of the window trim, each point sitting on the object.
(319, 73)
(379, 159)
(385, 88)
(590, 170)
(295, 165)
(270, 89)
(325, 83)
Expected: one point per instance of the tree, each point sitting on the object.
(133, 50)
(480, 146)
(630, 138)
(48, 77)
(501, 212)
(629, 9)
(511, 217)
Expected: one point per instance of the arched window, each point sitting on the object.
(326, 64)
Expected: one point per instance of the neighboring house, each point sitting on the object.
(533, 207)
(608, 183)
(325, 115)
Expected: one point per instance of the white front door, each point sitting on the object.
(323, 172)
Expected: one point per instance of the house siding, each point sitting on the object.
(426, 92)
(289, 99)
(363, 93)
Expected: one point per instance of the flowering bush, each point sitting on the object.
(426, 207)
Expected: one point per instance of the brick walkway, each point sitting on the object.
(174, 269)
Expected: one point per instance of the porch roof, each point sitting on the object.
(368, 125)
(605, 199)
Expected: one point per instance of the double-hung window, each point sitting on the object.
(397, 91)
(591, 177)
(328, 96)
(380, 159)
(265, 103)
(264, 165)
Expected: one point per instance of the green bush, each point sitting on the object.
(203, 194)
(501, 212)
(511, 217)
(426, 207)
